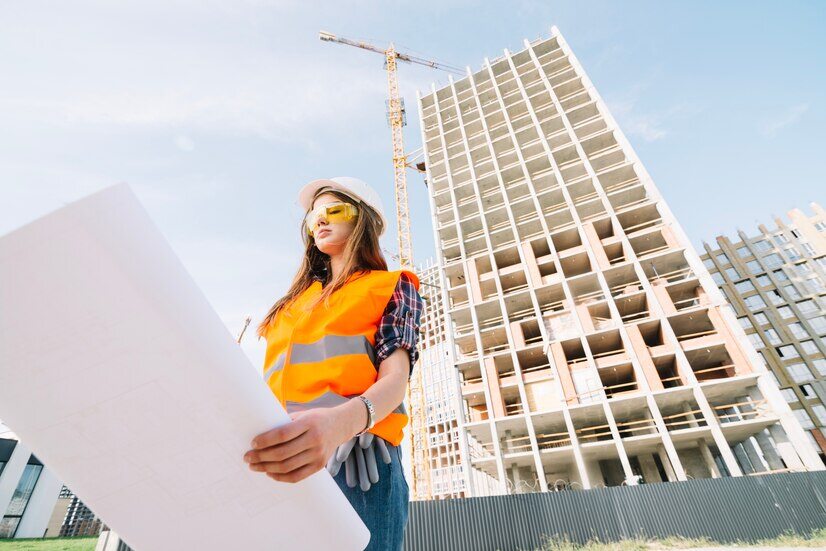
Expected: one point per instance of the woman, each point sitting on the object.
(341, 345)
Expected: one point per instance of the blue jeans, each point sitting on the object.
(383, 508)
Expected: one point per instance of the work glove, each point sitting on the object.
(358, 455)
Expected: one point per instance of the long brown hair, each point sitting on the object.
(362, 252)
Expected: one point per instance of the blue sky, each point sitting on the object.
(216, 111)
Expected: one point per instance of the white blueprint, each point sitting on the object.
(119, 375)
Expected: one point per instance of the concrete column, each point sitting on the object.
(644, 357)
(35, 519)
(754, 457)
(531, 264)
(785, 448)
(738, 357)
(584, 317)
(498, 403)
(650, 473)
(472, 276)
(596, 245)
(768, 450)
(669, 471)
(670, 238)
(518, 335)
(663, 297)
(564, 371)
(742, 459)
(705, 452)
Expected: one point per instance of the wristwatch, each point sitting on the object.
(371, 414)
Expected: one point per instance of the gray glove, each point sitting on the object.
(359, 460)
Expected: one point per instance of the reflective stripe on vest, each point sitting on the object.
(327, 347)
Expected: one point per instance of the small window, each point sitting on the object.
(803, 418)
(792, 252)
(785, 312)
(810, 348)
(820, 412)
(754, 267)
(780, 239)
(808, 391)
(788, 352)
(807, 306)
(754, 302)
(744, 286)
(820, 366)
(761, 318)
(819, 324)
(743, 252)
(803, 268)
(761, 246)
(789, 395)
(775, 297)
(797, 330)
(745, 323)
(709, 263)
(780, 275)
(732, 274)
(755, 340)
(773, 260)
(763, 280)
(799, 373)
(773, 337)
(723, 259)
(718, 278)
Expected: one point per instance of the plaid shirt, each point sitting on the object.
(399, 325)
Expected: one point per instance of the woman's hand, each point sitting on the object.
(292, 452)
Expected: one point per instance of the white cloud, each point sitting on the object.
(788, 117)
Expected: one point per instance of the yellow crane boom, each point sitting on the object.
(396, 120)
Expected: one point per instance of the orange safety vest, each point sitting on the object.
(325, 356)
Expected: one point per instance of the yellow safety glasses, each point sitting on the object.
(332, 213)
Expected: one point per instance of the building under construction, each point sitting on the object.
(587, 342)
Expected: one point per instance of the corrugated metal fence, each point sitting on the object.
(744, 508)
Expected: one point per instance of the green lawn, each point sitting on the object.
(816, 540)
(49, 544)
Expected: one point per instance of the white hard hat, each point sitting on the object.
(354, 187)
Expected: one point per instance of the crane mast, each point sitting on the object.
(422, 485)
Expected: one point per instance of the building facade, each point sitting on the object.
(776, 283)
(590, 343)
(28, 490)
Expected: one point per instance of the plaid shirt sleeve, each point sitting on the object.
(399, 325)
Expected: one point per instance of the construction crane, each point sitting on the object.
(396, 119)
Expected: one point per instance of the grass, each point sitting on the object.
(49, 544)
(816, 539)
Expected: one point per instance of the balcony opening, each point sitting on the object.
(648, 243)
(618, 380)
(575, 265)
(638, 219)
(633, 308)
(709, 363)
(681, 415)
